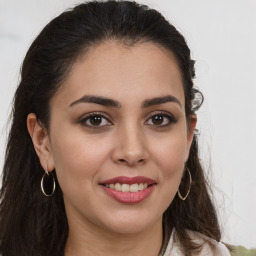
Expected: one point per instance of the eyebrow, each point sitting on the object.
(113, 103)
(98, 100)
(159, 100)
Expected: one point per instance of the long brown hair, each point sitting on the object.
(30, 223)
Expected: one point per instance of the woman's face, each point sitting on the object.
(118, 123)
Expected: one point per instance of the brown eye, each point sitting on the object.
(161, 120)
(95, 120)
(158, 119)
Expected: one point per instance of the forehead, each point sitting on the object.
(112, 69)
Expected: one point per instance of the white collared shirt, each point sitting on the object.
(210, 247)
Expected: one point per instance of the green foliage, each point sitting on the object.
(242, 251)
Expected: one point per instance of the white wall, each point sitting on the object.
(222, 37)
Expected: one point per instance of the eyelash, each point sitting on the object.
(171, 120)
(94, 114)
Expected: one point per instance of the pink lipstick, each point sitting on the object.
(129, 190)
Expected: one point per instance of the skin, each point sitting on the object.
(126, 143)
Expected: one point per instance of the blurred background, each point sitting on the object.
(222, 38)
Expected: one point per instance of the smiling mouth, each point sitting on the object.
(133, 188)
(129, 190)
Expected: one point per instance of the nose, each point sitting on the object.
(130, 148)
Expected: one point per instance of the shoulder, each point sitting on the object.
(209, 247)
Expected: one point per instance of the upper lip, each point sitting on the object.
(128, 180)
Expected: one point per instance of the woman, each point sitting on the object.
(102, 155)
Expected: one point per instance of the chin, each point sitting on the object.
(127, 228)
(131, 223)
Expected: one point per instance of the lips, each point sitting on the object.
(129, 190)
(128, 180)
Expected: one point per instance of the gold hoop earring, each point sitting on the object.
(190, 181)
(42, 183)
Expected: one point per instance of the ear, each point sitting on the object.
(41, 142)
(191, 128)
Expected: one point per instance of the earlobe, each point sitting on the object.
(192, 125)
(40, 139)
(191, 129)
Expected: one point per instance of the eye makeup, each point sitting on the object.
(99, 120)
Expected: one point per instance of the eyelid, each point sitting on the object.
(170, 116)
(167, 114)
(84, 117)
(95, 113)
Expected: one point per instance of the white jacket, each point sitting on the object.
(210, 247)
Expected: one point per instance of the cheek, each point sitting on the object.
(170, 155)
(78, 159)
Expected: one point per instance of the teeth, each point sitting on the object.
(118, 187)
(134, 188)
(127, 188)
(141, 186)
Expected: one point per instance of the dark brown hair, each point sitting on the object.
(30, 223)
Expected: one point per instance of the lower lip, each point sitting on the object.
(129, 197)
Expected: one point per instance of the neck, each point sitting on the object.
(88, 239)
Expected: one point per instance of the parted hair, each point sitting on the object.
(34, 225)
